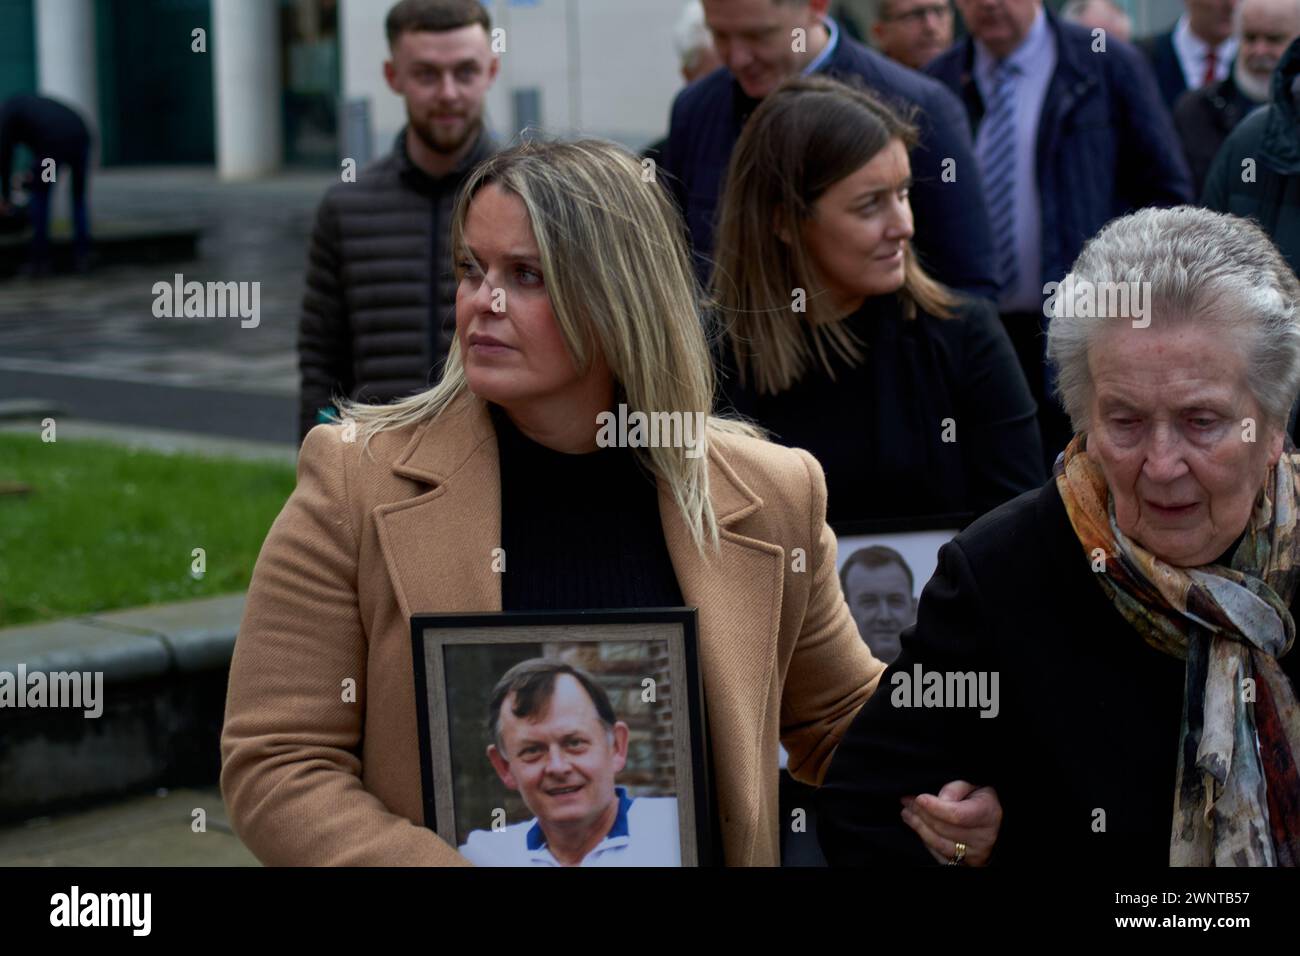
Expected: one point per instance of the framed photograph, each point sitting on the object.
(565, 738)
(883, 566)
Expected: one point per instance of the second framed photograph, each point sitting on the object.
(564, 738)
(883, 566)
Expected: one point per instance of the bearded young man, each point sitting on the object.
(379, 309)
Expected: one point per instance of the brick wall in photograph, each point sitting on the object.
(621, 667)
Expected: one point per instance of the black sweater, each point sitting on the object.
(878, 429)
(579, 531)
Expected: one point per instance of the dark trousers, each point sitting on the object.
(1029, 338)
(39, 207)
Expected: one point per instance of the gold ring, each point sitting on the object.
(958, 855)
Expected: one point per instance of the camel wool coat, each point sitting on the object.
(368, 539)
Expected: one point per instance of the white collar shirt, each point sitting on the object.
(645, 833)
(1192, 51)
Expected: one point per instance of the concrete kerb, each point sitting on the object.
(198, 634)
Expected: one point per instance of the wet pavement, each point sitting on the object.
(101, 325)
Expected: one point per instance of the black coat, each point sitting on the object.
(379, 311)
(1089, 713)
(1257, 172)
(1105, 145)
(1269, 138)
(878, 429)
(1163, 56)
(1204, 118)
(952, 226)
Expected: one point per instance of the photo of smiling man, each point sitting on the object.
(879, 588)
(558, 743)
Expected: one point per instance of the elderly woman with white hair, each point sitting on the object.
(1113, 652)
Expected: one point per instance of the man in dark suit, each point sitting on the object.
(1197, 51)
(761, 43)
(1069, 134)
(1206, 116)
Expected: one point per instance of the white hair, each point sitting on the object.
(690, 35)
(1200, 266)
(1241, 6)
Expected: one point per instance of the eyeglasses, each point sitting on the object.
(918, 14)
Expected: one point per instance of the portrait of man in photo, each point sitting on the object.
(879, 588)
(557, 741)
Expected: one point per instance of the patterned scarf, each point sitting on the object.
(1237, 801)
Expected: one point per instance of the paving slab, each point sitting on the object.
(150, 830)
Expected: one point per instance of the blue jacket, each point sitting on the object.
(952, 229)
(1106, 145)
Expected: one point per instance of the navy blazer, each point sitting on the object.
(1159, 50)
(1105, 145)
(952, 229)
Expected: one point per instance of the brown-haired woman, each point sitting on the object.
(837, 341)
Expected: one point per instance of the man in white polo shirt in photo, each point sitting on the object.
(559, 744)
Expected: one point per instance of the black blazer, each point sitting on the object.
(1168, 68)
(878, 429)
(1088, 719)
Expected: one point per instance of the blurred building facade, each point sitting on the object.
(300, 82)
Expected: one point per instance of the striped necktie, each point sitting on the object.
(997, 159)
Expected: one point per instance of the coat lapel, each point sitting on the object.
(738, 593)
(438, 546)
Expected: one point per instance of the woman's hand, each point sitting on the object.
(961, 813)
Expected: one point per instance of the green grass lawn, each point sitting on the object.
(106, 527)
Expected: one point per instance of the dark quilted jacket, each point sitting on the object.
(378, 313)
(1204, 119)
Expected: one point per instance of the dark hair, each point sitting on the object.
(435, 16)
(802, 139)
(875, 556)
(533, 682)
